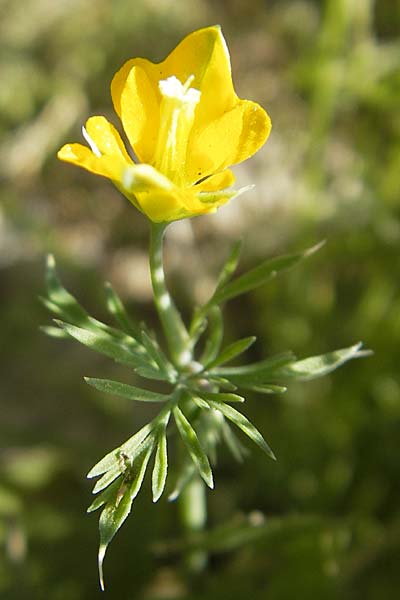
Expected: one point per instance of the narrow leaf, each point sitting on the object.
(317, 366)
(125, 391)
(151, 373)
(230, 265)
(225, 384)
(54, 332)
(111, 460)
(236, 448)
(103, 343)
(216, 333)
(159, 475)
(267, 388)
(259, 275)
(193, 446)
(255, 373)
(158, 356)
(185, 476)
(117, 310)
(220, 397)
(244, 424)
(231, 351)
(68, 306)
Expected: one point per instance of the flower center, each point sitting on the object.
(177, 110)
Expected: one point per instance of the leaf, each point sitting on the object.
(267, 388)
(117, 310)
(220, 396)
(236, 448)
(231, 351)
(193, 446)
(111, 460)
(159, 475)
(54, 332)
(230, 265)
(105, 496)
(222, 383)
(258, 276)
(126, 391)
(185, 476)
(118, 508)
(158, 356)
(317, 366)
(103, 343)
(244, 424)
(255, 373)
(151, 373)
(216, 332)
(68, 306)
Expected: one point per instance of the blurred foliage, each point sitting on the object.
(324, 520)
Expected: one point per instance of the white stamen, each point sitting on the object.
(91, 143)
(173, 88)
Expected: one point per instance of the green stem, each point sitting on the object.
(193, 513)
(175, 331)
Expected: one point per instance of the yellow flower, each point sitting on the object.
(185, 125)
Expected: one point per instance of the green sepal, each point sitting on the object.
(317, 366)
(193, 446)
(231, 351)
(126, 391)
(244, 424)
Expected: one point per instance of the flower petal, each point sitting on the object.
(106, 137)
(137, 102)
(136, 96)
(228, 140)
(216, 182)
(107, 166)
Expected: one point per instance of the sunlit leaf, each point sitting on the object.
(255, 373)
(102, 342)
(159, 475)
(125, 391)
(220, 396)
(230, 265)
(158, 356)
(317, 366)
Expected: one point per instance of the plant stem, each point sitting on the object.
(193, 513)
(175, 331)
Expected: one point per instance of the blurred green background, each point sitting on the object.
(323, 522)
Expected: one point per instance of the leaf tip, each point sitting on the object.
(100, 560)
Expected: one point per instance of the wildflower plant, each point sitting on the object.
(186, 127)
